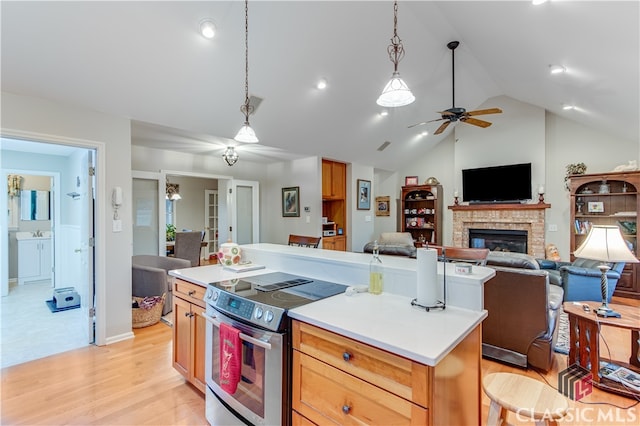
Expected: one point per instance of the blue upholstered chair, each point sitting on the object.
(580, 279)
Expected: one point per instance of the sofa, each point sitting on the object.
(580, 279)
(523, 310)
(393, 243)
(149, 277)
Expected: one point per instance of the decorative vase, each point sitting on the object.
(229, 253)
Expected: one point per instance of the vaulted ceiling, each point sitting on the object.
(146, 61)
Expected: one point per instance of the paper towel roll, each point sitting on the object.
(427, 275)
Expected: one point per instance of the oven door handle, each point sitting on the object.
(245, 337)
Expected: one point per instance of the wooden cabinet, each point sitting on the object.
(608, 199)
(421, 213)
(334, 190)
(334, 177)
(338, 380)
(334, 243)
(189, 332)
(34, 260)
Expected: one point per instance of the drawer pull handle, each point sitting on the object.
(192, 292)
(346, 356)
(346, 409)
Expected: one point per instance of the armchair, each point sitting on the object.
(149, 277)
(580, 279)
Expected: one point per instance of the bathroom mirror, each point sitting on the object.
(34, 205)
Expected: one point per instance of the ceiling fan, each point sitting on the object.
(454, 114)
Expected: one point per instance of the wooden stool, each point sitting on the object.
(525, 396)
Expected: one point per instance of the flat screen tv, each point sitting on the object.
(498, 184)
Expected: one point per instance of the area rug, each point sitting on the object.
(562, 340)
(52, 306)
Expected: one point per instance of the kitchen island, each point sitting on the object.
(377, 359)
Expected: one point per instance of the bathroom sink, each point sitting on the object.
(30, 235)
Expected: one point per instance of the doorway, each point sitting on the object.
(31, 327)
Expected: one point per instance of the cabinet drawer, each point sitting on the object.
(323, 394)
(394, 373)
(190, 292)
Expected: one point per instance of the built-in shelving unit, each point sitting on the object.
(334, 190)
(608, 199)
(421, 213)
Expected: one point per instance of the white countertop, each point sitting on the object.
(203, 275)
(389, 322)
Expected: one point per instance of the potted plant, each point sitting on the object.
(171, 232)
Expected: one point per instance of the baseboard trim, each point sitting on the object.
(119, 338)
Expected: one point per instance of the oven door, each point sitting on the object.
(259, 397)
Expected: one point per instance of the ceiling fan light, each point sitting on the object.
(246, 134)
(396, 93)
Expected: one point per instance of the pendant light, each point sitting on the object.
(230, 156)
(246, 133)
(396, 93)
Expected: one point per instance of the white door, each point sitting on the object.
(211, 224)
(146, 227)
(243, 207)
(87, 244)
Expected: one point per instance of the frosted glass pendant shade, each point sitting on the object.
(396, 93)
(246, 134)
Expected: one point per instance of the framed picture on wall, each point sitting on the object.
(410, 180)
(382, 205)
(291, 201)
(364, 194)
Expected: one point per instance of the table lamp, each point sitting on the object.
(605, 243)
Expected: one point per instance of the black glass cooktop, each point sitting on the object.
(280, 289)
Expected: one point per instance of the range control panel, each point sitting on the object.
(253, 312)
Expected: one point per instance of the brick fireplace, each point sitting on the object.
(521, 217)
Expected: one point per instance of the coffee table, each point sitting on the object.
(584, 341)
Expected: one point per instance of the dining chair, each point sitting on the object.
(476, 256)
(188, 245)
(303, 241)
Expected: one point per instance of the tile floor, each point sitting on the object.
(29, 330)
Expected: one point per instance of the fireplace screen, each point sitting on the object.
(499, 239)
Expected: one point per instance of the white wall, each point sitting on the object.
(305, 173)
(54, 121)
(386, 184)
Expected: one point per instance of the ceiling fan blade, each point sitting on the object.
(475, 122)
(417, 124)
(442, 127)
(484, 111)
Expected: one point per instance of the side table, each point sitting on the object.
(584, 341)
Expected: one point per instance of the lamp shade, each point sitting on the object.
(246, 134)
(606, 244)
(396, 93)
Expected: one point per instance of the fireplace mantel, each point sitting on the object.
(527, 217)
(513, 206)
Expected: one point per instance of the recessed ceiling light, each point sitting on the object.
(322, 84)
(567, 107)
(424, 133)
(384, 113)
(557, 69)
(538, 2)
(207, 28)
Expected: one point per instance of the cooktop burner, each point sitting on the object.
(264, 299)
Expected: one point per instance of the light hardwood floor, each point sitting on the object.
(133, 383)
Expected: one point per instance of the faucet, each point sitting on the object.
(38, 233)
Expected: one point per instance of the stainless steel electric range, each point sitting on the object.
(257, 306)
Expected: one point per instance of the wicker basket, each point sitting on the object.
(146, 317)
